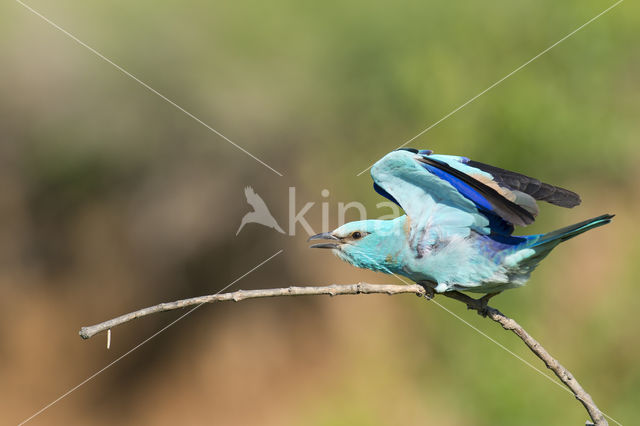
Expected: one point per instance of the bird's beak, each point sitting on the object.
(324, 236)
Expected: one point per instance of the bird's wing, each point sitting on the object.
(528, 185)
(436, 209)
(506, 198)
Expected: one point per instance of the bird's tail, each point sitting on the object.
(528, 255)
(563, 234)
(543, 244)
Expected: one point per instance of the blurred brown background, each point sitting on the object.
(112, 200)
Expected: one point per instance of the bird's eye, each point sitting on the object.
(356, 235)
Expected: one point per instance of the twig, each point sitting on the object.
(552, 364)
(236, 296)
(363, 288)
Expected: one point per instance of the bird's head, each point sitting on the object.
(370, 244)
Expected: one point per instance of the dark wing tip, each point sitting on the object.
(562, 197)
(539, 190)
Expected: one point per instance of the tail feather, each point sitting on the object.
(563, 234)
(543, 244)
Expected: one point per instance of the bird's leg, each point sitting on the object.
(429, 288)
(479, 305)
(429, 292)
(484, 301)
(461, 297)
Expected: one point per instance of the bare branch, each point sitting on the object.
(479, 305)
(236, 296)
(552, 364)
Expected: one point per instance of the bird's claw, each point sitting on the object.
(483, 304)
(429, 292)
(483, 311)
(479, 307)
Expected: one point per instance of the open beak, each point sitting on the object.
(324, 236)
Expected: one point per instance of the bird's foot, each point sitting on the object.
(483, 304)
(479, 305)
(483, 311)
(429, 291)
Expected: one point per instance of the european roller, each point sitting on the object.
(456, 233)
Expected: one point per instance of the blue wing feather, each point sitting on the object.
(503, 203)
(483, 196)
(384, 193)
(463, 188)
(436, 209)
(496, 223)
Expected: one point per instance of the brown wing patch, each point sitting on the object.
(490, 183)
(531, 186)
(407, 226)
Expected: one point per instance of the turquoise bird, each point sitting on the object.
(456, 234)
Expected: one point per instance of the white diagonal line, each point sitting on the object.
(491, 339)
(549, 377)
(143, 84)
(64, 395)
(502, 79)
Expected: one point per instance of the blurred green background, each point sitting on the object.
(113, 200)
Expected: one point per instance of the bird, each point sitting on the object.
(457, 231)
(260, 213)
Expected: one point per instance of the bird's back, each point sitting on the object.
(489, 263)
